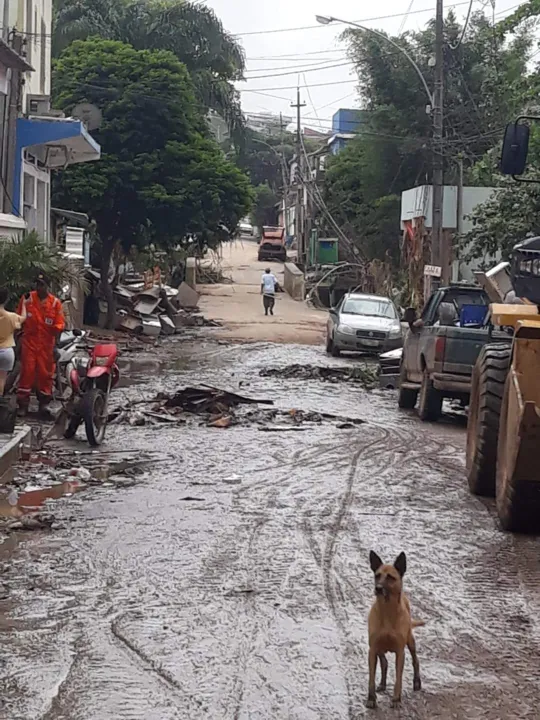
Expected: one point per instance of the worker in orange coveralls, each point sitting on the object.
(44, 323)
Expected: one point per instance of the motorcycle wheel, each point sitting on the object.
(94, 414)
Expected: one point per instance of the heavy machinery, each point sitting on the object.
(503, 434)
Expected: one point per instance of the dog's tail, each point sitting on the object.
(418, 623)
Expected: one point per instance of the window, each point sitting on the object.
(369, 306)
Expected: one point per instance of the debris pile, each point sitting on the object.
(220, 409)
(216, 405)
(366, 375)
(145, 308)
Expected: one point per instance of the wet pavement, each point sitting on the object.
(232, 581)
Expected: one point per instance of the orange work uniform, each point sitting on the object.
(45, 319)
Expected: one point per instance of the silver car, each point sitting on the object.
(363, 323)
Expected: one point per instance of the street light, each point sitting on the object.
(328, 19)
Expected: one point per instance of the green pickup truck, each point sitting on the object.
(441, 347)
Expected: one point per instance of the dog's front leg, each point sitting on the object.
(372, 696)
(384, 672)
(400, 662)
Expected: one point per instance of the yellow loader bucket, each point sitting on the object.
(518, 453)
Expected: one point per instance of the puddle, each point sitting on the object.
(32, 500)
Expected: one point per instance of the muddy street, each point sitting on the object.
(232, 580)
(229, 578)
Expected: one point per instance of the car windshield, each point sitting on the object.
(369, 306)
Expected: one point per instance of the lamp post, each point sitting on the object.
(438, 253)
(326, 20)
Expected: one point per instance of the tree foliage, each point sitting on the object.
(188, 29)
(21, 260)
(160, 177)
(262, 158)
(264, 210)
(485, 84)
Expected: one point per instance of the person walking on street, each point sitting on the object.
(9, 323)
(268, 291)
(44, 323)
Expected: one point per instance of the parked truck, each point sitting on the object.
(441, 348)
(272, 245)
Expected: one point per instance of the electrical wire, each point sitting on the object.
(311, 101)
(364, 20)
(294, 87)
(298, 70)
(464, 28)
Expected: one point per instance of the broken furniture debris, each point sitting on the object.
(152, 310)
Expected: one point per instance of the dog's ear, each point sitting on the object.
(375, 561)
(401, 564)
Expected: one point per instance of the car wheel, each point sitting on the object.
(335, 351)
(430, 401)
(407, 398)
(329, 344)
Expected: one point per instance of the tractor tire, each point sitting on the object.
(407, 398)
(518, 497)
(430, 400)
(487, 389)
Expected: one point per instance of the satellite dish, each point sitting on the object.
(89, 114)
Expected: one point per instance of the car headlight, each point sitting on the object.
(346, 329)
(395, 332)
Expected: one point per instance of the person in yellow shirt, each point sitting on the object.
(9, 323)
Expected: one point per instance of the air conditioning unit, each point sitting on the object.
(40, 105)
(75, 242)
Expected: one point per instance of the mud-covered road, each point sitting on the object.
(233, 582)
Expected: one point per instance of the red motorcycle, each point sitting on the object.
(91, 383)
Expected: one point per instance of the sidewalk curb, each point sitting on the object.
(10, 451)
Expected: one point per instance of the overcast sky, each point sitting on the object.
(274, 53)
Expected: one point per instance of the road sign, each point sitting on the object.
(433, 270)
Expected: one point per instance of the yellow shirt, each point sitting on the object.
(9, 322)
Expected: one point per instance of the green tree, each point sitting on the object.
(485, 84)
(160, 178)
(264, 210)
(188, 29)
(262, 157)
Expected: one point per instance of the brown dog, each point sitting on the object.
(390, 627)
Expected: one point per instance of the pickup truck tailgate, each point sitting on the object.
(463, 346)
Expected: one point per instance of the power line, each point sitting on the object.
(364, 20)
(293, 87)
(464, 29)
(298, 70)
(315, 65)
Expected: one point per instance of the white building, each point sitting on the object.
(266, 123)
(39, 139)
(417, 203)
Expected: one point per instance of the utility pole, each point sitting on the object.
(459, 218)
(439, 256)
(298, 219)
(284, 180)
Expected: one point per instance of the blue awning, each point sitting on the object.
(55, 142)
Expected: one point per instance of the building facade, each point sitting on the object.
(36, 140)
